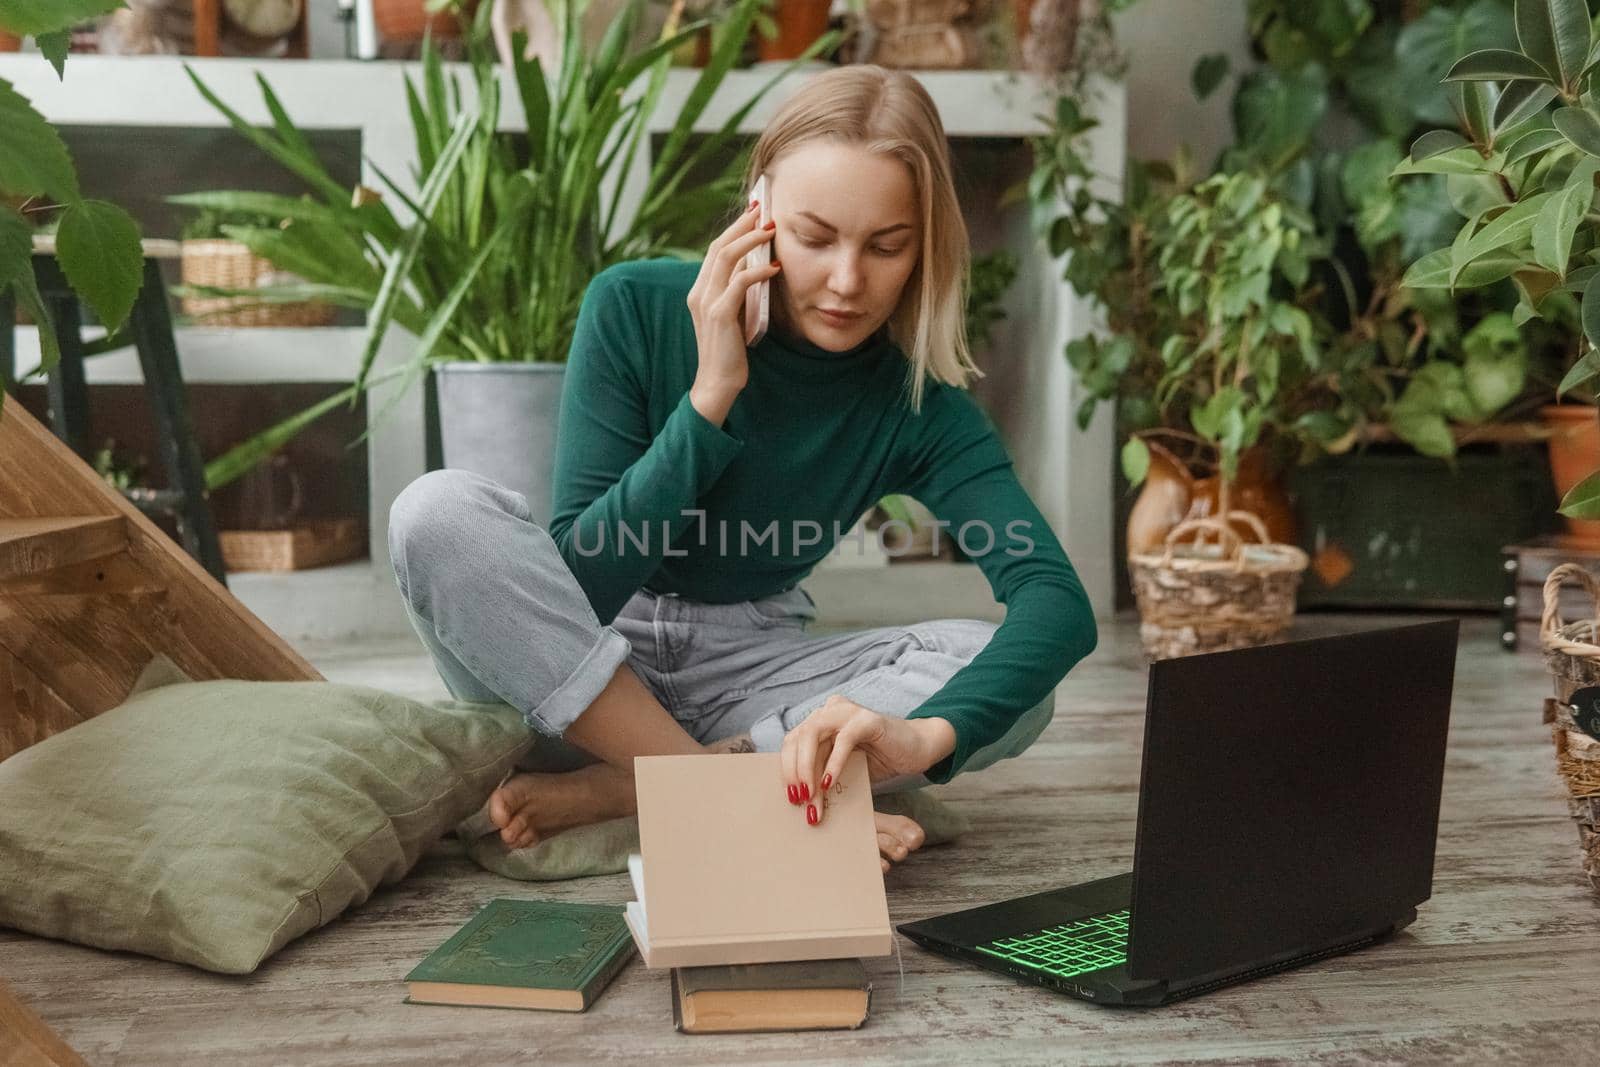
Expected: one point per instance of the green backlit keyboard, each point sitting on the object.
(1073, 948)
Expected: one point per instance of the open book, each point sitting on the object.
(728, 871)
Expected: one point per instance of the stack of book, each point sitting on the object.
(761, 918)
(728, 871)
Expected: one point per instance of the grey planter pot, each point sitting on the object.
(500, 420)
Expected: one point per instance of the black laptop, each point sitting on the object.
(1288, 810)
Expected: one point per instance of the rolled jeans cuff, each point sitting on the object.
(572, 697)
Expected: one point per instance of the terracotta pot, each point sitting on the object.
(1187, 487)
(1574, 455)
(800, 22)
(405, 21)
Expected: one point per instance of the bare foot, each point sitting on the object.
(898, 837)
(531, 807)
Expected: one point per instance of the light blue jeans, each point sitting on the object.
(505, 620)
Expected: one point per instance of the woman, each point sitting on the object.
(698, 480)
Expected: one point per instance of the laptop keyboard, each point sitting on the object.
(1073, 948)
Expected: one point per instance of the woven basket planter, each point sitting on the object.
(231, 265)
(1208, 597)
(1572, 652)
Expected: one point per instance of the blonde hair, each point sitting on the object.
(889, 112)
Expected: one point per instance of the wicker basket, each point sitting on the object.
(1572, 652)
(1208, 597)
(231, 265)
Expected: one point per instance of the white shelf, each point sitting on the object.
(340, 94)
(223, 355)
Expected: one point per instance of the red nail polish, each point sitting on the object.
(827, 780)
(776, 264)
(771, 225)
(794, 795)
(811, 814)
(805, 791)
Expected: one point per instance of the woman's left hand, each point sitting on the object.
(814, 753)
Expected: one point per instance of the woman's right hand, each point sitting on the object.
(716, 303)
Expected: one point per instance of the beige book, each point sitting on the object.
(728, 871)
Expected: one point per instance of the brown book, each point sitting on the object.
(728, 871)
(750, 997)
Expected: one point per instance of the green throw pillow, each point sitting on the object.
(211, 823)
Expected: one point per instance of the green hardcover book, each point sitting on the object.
(754, 997)
(526, 954)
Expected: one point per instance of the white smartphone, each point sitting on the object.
(758, 298)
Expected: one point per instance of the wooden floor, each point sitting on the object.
(1502, 965)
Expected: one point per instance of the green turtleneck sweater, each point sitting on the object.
(649, 493)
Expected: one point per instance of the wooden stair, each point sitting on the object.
(91, 590)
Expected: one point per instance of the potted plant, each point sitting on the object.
(791, 28)
(1527, 149)
(213, 262)
(488, 270)
(1203, 287)
(1408, 376)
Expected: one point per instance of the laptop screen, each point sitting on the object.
(1289, 797)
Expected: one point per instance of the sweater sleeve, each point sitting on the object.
(621, 492)
(964, 476)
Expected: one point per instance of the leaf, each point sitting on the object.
(27, 291)
(1135, 460)
(1475, 104)
(1532, 143)
(1464, 160)
(1580, 126)
(33, 159)
(1426, 47)
(1505, 231)
(54, 47)
(1555, 34)
(1207, 74)
(1434, 143)
(98, 246)
(16, 249)
(1585, 370)
(1557, 224)
(1496, 364)
(399, 268)
(1583, 500)
(1427, 432)
(292, 156)
(1432, 271)
(30, 18)
(242, 458)
(1519, 102)
(1591, 310)
(1496, 64)
(1578, 278)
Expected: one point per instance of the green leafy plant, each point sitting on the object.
(119, 471)
(210, 224)
(1204, 288)
(1344, 86)
(991, 276)
(489, 259)
(97, 243)
(1524, 158)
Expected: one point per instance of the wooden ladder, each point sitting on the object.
(91, 590)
